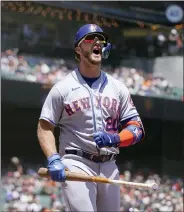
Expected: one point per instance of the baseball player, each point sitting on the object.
(88, 105)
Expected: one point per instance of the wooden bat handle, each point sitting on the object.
(73, 176)
(43, 172)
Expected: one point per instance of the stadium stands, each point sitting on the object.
(30, 193)
(49, 71)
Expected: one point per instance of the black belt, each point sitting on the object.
(94, 158)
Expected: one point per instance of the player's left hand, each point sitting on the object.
(104, 139)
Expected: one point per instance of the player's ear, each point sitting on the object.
(77, 53)
(77, 50)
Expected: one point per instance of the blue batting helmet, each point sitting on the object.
(90, 29)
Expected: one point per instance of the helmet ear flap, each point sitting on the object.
(106, 51)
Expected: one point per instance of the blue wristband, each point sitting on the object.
(53, 157)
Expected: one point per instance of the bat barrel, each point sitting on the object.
(152, 186)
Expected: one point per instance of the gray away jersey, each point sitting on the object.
(80, 111)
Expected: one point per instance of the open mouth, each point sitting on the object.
(96, 51)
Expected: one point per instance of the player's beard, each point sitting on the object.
(90, 57)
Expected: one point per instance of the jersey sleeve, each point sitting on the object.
(52, 107)
(127, 108)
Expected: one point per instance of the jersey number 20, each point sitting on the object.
(111, 124)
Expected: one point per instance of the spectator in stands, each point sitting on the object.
(4, 63)
(17, 165)
(44, 68)
(145, 88)
(42, 71)
(130, 80)
(174, 42)
(23, 66)
(139, 79)
(12, 64)
(161, 44)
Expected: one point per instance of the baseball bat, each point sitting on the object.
(73, 176)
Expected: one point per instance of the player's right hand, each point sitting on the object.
(56, 168)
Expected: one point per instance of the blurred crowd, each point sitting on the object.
(168, 198)
(49, 71)
(141, 83)
(165, 44)
(23, 190)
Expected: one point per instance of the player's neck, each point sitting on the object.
(89, 70)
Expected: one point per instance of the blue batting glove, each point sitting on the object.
(104, 139)
(56, 168)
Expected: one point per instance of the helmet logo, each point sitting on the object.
(93, 28)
